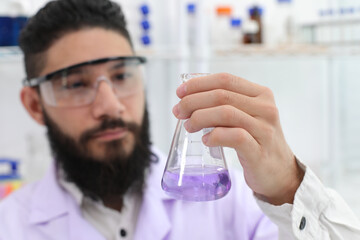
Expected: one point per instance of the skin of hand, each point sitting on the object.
(245, 118)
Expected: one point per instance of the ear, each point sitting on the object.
(31, 100)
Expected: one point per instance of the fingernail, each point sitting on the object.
(187, 125)
(181, 91)
(176, 110)
(205, 138)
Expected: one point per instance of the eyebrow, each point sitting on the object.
(125, 62)
(118, 65)
(74, 71)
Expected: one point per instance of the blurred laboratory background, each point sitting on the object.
(307, 52)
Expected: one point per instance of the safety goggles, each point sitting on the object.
(77, 85)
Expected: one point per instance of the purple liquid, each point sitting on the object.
(197, 183)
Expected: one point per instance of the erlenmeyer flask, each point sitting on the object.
(195, 172)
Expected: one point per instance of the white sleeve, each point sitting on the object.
(317, 213)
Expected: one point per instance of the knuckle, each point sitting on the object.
(268, 93)
(222, 97)
(227, 80)
(240, 135)
(228, 113)
(271, 112)
(269, 132)
(223, 76)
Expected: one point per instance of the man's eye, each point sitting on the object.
(122, 76)
(75, 85)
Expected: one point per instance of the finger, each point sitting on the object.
(218, 97)
(239, 139)
(219, 81)
(223, 116)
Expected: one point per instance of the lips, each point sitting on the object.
(111, 134)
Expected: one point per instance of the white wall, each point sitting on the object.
(21, 138)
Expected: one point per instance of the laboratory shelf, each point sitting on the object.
(173, 53)
(9, 54)
(220, 52)
(332, 22)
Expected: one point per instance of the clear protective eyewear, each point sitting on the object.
(77, 85)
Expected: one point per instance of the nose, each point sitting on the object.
(106, 104)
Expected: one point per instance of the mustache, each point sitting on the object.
(107, 124)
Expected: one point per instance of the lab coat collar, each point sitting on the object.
(49, 200)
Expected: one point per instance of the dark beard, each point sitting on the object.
(101, 178)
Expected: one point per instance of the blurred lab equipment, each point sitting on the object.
(145, 38)
(9, 177)
(255, 35)
(10, 28)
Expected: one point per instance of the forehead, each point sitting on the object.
(85, 45)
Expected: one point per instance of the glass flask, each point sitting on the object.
(195, 172)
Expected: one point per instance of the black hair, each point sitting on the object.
(61, 17)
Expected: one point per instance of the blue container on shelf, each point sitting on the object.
(256, 11)
(145, 10)
(18, 24)
(145, 24)
(235, 22)
(191, 8)
(10, 29)
(146, 40)
(6, 31)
